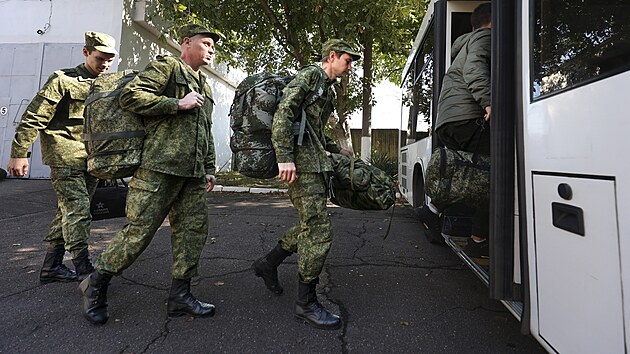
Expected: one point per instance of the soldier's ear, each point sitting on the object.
(85, 52)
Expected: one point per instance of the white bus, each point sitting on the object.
(560, 181)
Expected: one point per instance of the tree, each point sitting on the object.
(282, 35)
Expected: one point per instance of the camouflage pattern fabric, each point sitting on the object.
(113, 136)
(71, 225)
(56, 113)
(311, 155)
(357, 185)
(151, 197)
(251, 116)
(458, 177)
(311, 238)
(178, 143)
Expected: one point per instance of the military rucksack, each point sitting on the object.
(113, 136)
(357, 185)
(251, 114)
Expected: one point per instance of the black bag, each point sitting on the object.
(458, 177)
(109, 200)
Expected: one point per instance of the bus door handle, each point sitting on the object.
(568, 217)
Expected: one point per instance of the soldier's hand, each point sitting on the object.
(487, 115)
(17, 166)
(346, 153)
(287, 172)
(211, 181)
(191, 101)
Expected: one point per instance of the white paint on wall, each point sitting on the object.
(64, 22)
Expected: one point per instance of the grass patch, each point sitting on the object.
(238, 180)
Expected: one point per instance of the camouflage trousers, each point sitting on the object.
(71, 225)
(311, 238)
(152, 196)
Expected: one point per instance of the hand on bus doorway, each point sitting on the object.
(286, 172)
(487, 116)
(17, 166)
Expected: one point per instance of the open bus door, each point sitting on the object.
(503, 273)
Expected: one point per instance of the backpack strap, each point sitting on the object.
(311, 98)
(127, 76)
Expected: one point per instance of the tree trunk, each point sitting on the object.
(339, 122)
(366, 128)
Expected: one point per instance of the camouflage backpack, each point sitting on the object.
(251, 114)
(113, 136)
(357, 185)
(458, 177)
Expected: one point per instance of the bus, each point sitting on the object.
(559, 244)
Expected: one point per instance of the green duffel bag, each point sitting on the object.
(458, 177)
(355, 184)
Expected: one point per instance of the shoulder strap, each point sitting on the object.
(127, 76)
(311, 97)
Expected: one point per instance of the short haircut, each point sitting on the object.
(325, 59)
(482, 15)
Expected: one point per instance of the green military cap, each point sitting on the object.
(101, 42)
(193, 29)
(339, 46)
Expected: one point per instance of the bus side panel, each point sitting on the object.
(412, 156)
(578, 270)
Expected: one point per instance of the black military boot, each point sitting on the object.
(267, 268)
(83, 265)
(311, 311)
(182, 303)
(53, 268)
(94, 290)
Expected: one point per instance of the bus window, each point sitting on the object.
(577, 42)
(418, 91)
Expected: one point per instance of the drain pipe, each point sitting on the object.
(150, 32)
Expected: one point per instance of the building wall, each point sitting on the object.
(38, 37)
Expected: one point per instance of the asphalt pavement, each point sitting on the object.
(399, 295)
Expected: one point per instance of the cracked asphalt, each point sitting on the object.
(399, 295)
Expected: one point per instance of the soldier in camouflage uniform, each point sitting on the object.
(56, 113)
(177, 169)
(304, 167)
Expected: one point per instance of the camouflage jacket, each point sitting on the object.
(177, 142)
(56, 113)
(311, 155)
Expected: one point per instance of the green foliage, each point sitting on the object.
(385, 162)
(282, 35)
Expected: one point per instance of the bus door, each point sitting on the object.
(575, 171)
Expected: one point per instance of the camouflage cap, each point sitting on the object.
(339, 46)
(193, 29)
(101, 42)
